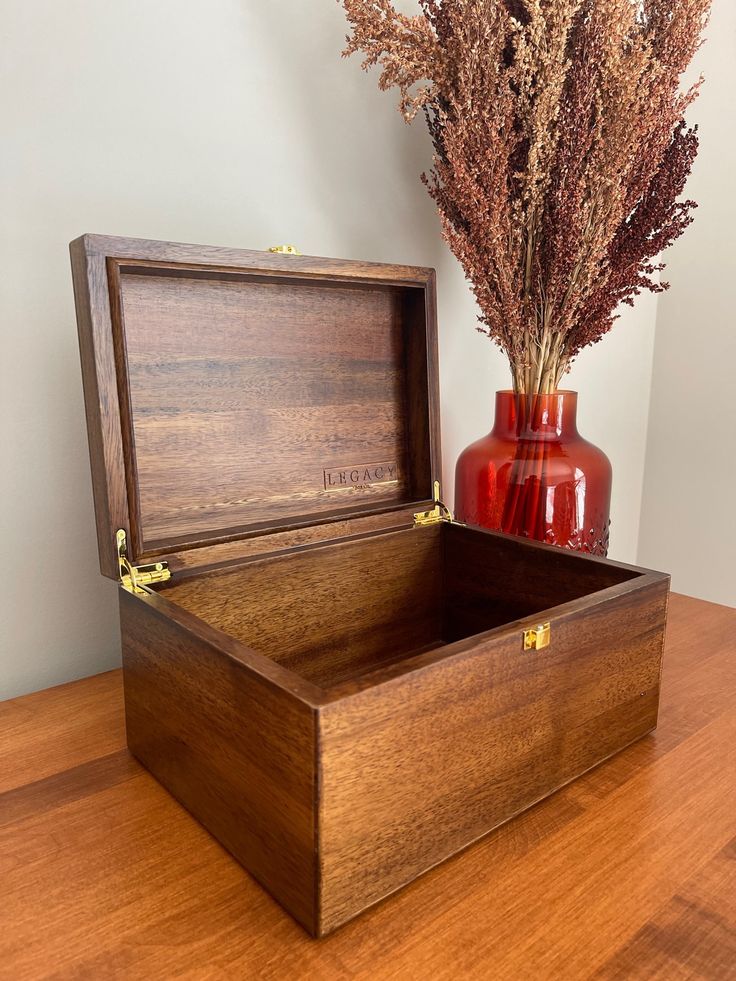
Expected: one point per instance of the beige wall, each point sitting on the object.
(232, 122)
(688, 522)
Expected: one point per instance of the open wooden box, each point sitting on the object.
(343, 685)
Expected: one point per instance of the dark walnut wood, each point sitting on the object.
(239, 393)
(343, 699)
(628, 872)
(233, 746)
(402, 718)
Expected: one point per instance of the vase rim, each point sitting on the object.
(559, 391)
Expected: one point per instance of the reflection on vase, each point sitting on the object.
(534, 475)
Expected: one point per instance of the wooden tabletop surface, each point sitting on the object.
(630, 872)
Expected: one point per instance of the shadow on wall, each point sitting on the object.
(355, 150)
(230, 124)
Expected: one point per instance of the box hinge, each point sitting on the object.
(132, 577)
(436, 514)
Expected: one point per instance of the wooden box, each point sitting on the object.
(342, 684)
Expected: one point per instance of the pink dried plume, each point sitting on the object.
(561, 153)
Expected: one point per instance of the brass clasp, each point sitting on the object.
(285, 249)
(537, 637)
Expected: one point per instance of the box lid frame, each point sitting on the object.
(98, 263)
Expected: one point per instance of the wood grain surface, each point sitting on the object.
(237, 393)
(487, 583)
(243, 393)
(416, 769)
(388, 749)
(628, 873)
(236, 749)
(346, 608)
(333, 612)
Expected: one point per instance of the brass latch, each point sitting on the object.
(438, 513)
(133, 577)
(285, 249)
(537, 637)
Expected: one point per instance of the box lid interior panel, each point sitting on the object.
(258, 393)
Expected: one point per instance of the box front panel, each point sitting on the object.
(417, 768)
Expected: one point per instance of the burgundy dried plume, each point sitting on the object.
(561, 152)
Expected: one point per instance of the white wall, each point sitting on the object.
(232, 122)
(689, 505)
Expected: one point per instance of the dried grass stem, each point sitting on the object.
(561, 153)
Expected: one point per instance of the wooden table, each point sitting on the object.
(628, 873)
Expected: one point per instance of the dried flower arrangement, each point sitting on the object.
(561, 153)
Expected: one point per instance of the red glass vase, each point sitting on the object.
(534, 475)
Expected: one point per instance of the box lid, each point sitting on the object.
(240, 396)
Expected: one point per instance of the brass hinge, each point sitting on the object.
(133, 577)
(438, 513)
(285, 249)
(537, 637)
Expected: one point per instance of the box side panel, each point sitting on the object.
(329, 613)
(416, 769)
(235, 749)
(492, 579)
(101, 401)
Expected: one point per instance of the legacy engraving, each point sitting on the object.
(362, 476)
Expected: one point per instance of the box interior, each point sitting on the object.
(337, 612)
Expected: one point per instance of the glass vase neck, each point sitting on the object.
(521, 416)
